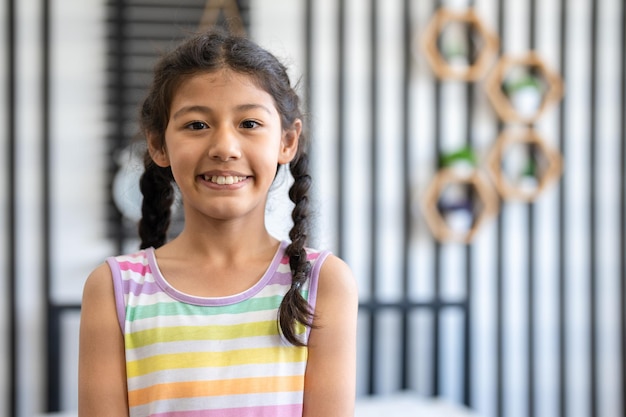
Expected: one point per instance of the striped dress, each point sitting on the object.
(190, 356)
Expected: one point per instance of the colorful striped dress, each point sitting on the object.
(190, 356)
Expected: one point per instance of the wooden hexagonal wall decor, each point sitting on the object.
(522, 88)
(458, 45)
(229, 9)
(522, 164)
(457, 203)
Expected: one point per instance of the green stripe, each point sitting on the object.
(182, 309)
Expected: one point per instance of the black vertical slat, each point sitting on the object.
(622, 199)
(500, 263)
(436, 331)
(499, 317)
(54, 358)
(532, 43)
(53, 339)
(341, 106)
(593, 293)
(405, 356)
(11, 178)
(373, 119)
(467, 342)
(561, 226)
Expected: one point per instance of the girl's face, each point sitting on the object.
(223, 142)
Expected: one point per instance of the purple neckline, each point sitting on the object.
(214, 301)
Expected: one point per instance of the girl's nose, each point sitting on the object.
(224, 145)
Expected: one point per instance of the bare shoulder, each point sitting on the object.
(98, 292)
(99, 282)
(337, 293)
(336, 277)
(98, 305)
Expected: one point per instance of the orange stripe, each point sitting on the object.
(176, 390)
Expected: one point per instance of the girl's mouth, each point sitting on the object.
(223, 179)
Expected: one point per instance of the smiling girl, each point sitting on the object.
(224, 319)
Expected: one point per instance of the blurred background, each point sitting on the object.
(468, 163)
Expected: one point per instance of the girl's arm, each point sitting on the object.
(330, 380)
(101, 364)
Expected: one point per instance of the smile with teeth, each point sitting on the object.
(223, 180)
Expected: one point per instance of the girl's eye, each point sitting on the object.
(249, 124)
(197, 125)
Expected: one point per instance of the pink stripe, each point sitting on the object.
(310, 256)
(135, 267)
(290, 410)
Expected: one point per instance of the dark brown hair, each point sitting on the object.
(207, 52)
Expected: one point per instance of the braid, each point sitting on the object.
(294, 308)
(158, 196)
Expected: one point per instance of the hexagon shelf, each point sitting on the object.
(458, 45)
(522, 164)
(228, 11)
(456, 204)
(522, 88)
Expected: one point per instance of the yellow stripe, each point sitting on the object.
(215, 359)
(178, 390)
(142, 338)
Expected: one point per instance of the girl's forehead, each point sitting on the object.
(223, 77)
(221, 87)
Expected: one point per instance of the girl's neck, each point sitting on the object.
(224, 243)
(215, 266)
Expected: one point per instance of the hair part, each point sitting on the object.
(208, 52)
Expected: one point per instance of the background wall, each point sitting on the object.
(536, 300)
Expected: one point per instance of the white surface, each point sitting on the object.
(409, 405)
(57, 415)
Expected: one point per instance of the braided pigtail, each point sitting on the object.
(294, 308)
(156, 207)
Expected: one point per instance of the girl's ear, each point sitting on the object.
(289, 142)
(158, 152)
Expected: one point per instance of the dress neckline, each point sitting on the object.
(214, 301)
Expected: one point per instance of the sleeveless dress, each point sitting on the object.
(189, 356)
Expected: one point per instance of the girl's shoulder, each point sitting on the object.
(100, 277)
(336, 276)
(335, 279)
(330, 267)
(99, 281)
(107, 277)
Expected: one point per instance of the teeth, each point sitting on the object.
(224, 180)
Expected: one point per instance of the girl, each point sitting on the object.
(223, 320)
